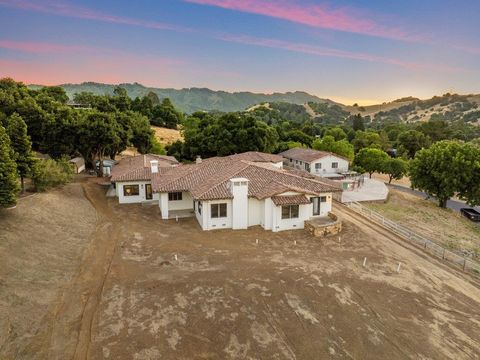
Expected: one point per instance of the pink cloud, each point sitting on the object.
(315, 15)
(322, 51)
(68, 10)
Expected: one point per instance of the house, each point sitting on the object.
(77, 164)
(132, 177)
(320, 163)
(234, 192)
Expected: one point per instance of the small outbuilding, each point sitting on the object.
(77, 164)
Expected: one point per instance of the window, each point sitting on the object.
(176, 196)
(318, 166)
(296, 161)
(334, 165)
(200, 208)
(218, 210)
(307, 167)
(290, 211)
(131, 190)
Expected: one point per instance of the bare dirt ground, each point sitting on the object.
(225, 297)
(41, 246)
(405, 181)
(426, 218)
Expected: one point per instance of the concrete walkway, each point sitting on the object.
(372, 190)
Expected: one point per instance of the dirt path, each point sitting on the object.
(373, 229)
(73, 317)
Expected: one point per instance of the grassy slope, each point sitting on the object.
(426, 218)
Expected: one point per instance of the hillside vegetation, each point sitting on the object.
(193, 99)
(449, 107)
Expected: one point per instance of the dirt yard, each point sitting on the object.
(426, 218)
(226, 297)
(41, 246)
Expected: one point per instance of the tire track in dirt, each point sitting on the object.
(74, 316)
(370, 227)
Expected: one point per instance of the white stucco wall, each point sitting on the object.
(255, 212)
(133, 199)
(184, 204)
(279, 224)
(327, 165)
(325, 207)
(216, 223)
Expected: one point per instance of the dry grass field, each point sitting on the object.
(167, 136)
(426, 218)
(224, 296)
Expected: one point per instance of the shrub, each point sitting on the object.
(50, 173)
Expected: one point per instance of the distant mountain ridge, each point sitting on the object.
(197, 99)
(449, 107)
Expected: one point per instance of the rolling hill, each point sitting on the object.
(299, 106)
(196, 99)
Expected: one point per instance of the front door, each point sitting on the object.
(148, 192)
(316, 206)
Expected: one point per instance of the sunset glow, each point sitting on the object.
(342, 50)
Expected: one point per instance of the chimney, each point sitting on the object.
(239, 189)
(154, 166)
(198, 160)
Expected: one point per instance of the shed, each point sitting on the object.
(78, 164)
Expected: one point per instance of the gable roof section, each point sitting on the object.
(138, 168)
(256, 156)
(210, 180)
(307, 155)
(290, 200)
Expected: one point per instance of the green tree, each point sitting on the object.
(336, 132)
(98, 136)
(21, 145)
(409, 142)
(395, 168)
(370, 160)
(358, 123)
(448, 168)
(166, 115)
(8, 172)
(365, 139)
(50, 173)
(328, 143)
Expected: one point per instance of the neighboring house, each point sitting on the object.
(234, 192)
(320, 163)
(77, 164)
(132, 177)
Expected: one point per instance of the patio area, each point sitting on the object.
(324, 226)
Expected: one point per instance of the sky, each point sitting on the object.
(363, 51)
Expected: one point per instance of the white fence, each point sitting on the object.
(466, 264)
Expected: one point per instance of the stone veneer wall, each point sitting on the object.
(325, 230)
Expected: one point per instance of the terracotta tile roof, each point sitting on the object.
(256, 156)
(210, 180)
(307, 155)
(137, 168)
(290, 200)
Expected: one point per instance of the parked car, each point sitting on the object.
(471, 214)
